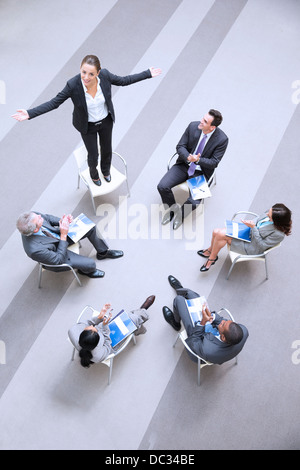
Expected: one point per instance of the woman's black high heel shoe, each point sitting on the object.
(204, 267)
(201, 253)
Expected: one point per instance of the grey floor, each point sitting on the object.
(238, 56)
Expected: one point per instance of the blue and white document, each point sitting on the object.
(120, 327)
(198, 187)
(80, 226)
(195, 307)
(238, 230)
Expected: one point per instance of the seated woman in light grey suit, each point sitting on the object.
(267, 230)
(91, 336)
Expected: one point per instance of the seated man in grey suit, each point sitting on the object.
(200, 151)
(45, 240)
(215, 339)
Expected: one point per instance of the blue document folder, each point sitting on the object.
(198, 187)
(238, 230)
(79, 227)
(120, 327)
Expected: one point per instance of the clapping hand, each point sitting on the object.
(250, 223)
(104, 313)
(206, 315)
(64, 227)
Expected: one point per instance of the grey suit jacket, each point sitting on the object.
(262, 238)
(104, 348)
(213, 150)
(210, 348)
(74, 90)
(45, 249)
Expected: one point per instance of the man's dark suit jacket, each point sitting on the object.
(213, 150)
(74, 90)
(210, 348)
(46, 249)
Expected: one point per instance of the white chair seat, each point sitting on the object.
(184, 186)
(182, 335)
(108, 361)
(42, 266)
(237, 257)
(117, 177)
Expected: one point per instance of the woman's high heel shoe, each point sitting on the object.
(205, 268)
(201, 253)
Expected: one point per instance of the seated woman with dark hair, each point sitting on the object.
(267, 230)
(91, 336)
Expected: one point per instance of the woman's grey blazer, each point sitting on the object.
(262, 238)
(104, 348)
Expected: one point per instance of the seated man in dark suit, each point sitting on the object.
(214, 339)
(200, 150)
(45, 240)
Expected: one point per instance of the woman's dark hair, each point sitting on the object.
(88, 340)
(91, 60)
(282, 218)
(217, 117)
(234, 334)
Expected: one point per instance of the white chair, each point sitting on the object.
(117, 177)
(182, 335)
(237, 257)
(184, 186)
(59, 267)
(110, 359)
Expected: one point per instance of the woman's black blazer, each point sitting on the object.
(74, 90)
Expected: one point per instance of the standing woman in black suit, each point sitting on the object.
(93, 112)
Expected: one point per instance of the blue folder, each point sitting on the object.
(120, 327)
(238, 230)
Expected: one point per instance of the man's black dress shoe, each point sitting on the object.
(178, 220)
(97, 182)
(110, 254)
(169, 317)
(148, 302)
(107, 178)
(170, 214)
(174, 282)
(94, 275)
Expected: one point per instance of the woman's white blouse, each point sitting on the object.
(97, 108)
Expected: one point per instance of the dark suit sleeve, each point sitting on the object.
(60, 98)
(185, 145)
(128, 79)
(215, 154)
(54, 254)
(196, 335)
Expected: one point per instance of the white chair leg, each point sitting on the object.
(267, 276)
(73, 354)
(40, 275)
(177, 337)
(110, 370)
(199, 371)
(76, 277)
(230, 270)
